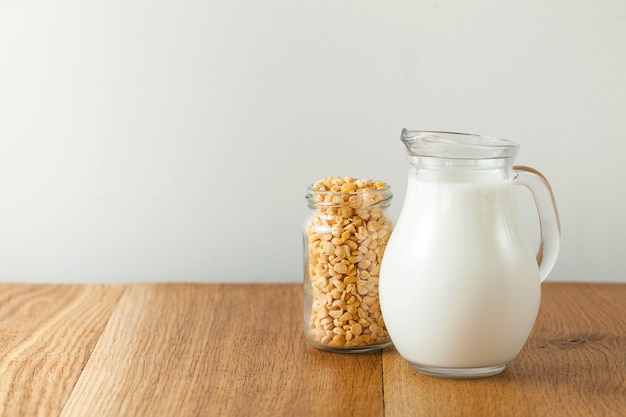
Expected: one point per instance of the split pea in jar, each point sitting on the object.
(345, 237)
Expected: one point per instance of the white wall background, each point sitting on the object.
(173, 140)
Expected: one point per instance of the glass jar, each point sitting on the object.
(345, 236)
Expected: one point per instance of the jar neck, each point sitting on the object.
(357, 200)
(461, 170)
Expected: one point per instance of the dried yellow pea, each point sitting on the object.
(346, 236)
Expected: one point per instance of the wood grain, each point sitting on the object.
(47, 333)
(219, 350)
(573, 365)
(238, 350)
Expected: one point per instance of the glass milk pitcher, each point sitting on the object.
(460, 283)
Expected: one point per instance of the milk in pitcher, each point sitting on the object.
(461, 285)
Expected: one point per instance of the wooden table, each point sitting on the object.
(238, 350)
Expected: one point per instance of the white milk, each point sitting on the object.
(459, 283)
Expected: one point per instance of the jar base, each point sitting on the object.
(350, 349)
(458, 373)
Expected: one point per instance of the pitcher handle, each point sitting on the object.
(550, 237)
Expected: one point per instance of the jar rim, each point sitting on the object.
(457, 145)
(311, 190)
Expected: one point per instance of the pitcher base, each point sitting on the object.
(458, 373)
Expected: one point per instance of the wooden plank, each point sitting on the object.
(219, 350)
(573, 365)
(47, 333)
